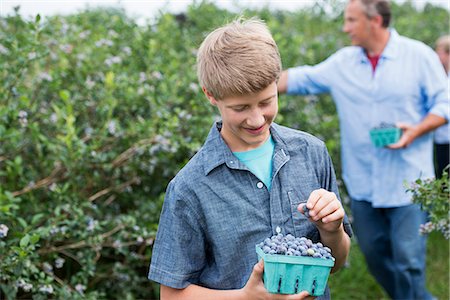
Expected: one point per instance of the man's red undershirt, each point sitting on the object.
(373, 61)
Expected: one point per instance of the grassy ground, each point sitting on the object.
(355, 282)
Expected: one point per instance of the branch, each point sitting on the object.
(127, 154)
(59, 280)
(103, 192)
(54, 176)
(80, 244)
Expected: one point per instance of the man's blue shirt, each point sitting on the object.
(216, 211)
(407, 85)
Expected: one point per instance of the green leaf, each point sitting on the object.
(36, 218)
(24, 241)
(109, 79)
(64, 94)
(35, 238)
(22, 222)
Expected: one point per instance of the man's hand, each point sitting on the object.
(409, 134)
(254, 289)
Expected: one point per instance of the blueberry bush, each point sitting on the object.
(98, 113)
(433, 195)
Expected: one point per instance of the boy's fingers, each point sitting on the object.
(256, 276)
(302, 208)
(258, 269)
(335, 216)
(328, 206)
(318, 200)
(314, 197)
(303, 295)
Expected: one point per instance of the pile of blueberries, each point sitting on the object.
(294, 246)
(384, 125)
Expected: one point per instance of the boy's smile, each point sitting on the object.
(247, 119)
(255, 131)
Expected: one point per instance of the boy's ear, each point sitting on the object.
(210, 97)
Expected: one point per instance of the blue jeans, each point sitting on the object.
(394, 250)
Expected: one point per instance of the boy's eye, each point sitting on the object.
(239, 108)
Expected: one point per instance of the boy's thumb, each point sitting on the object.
(258, 269)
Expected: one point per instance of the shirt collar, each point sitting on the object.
(389, 52)
(215, 151)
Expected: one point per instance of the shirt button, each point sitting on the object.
(259, 185)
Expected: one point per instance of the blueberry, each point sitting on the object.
(292, 246)
(266, 249)
(305, 211)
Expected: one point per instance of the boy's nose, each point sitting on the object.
(256, 120)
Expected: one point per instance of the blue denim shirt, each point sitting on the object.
(409, 82)
(216, 210)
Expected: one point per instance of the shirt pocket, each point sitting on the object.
(302, 226)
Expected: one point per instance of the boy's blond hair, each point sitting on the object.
(237, 59)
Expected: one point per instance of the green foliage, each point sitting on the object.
(97, 114)
(434, 197)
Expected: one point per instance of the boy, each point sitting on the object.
(250, 180)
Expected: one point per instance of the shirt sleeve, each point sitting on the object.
(435, 86)
(178, 254)
(317, 79)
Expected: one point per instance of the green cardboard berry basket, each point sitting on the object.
(284, 274)
(385, 136)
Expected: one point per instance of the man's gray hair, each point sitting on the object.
(378, 7)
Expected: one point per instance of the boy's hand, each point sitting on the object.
(254, 289)
(324, 209)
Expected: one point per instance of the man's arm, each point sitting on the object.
(282, 82)
(411, 132)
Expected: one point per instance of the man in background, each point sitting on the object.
(442, 134)
(382, 78)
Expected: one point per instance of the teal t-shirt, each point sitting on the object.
(259, 161)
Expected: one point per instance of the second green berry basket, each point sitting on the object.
(385, 136)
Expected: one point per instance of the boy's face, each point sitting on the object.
(247, 119)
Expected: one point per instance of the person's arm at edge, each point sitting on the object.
(253, 289)
(193, 291)
(411, 132)
(282, 82)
